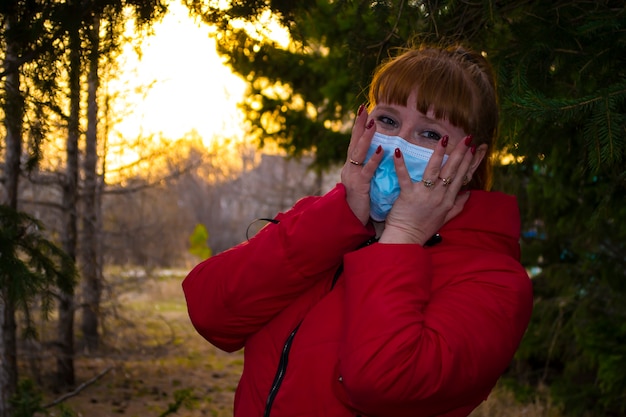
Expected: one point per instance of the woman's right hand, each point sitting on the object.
(356, 175)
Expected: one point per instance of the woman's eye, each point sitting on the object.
(387, 121)
(429, 134)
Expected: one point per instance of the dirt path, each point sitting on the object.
(153, 359)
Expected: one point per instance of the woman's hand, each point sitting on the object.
(356, 175)
(423, 207)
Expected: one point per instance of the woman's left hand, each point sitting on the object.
(424, 206)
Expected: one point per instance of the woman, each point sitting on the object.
(399, 292)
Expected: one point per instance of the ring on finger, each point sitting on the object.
(446, 181)
(353, 162)
(428, 183)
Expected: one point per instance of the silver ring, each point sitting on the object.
(428, 183)
(446, 181)
(353, 162)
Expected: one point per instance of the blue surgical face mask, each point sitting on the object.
(385, 188)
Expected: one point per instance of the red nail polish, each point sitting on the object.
(444, 141)
(398, 153)
(361, 108)
(468, 140)
(473, 150)
(379, 149)
(370, 124)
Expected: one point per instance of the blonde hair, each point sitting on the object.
(457, 84)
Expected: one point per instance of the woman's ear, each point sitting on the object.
(479, 155)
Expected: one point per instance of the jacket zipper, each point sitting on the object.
(284, 356)
(280, 372)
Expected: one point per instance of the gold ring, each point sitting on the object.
(428, 183)
(446, 181)
(353, 162)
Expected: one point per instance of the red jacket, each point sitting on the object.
(406, 330)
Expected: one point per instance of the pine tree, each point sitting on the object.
(562, 83)
(32, 268)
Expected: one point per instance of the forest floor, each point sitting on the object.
(154, 364)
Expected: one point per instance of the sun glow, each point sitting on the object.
(176, 88)
(180, 84)
(265, 27)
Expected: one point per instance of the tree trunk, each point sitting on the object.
(65, 356)
(91, 268)
(13, 111)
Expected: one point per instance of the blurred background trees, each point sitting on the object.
(560, 67)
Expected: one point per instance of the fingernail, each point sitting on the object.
(361, 108)
(468, 140)
(444, 141)
(398, 153)
(370, 124)
(473, 149)
(379, 149)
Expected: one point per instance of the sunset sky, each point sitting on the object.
(191, 88)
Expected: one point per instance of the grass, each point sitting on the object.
(160, 366)
(502, 403)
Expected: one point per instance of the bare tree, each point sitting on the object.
(111, 11)
(14, 113)
(90, 265)
(65, 330)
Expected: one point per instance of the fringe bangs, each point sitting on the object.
(440, 87)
